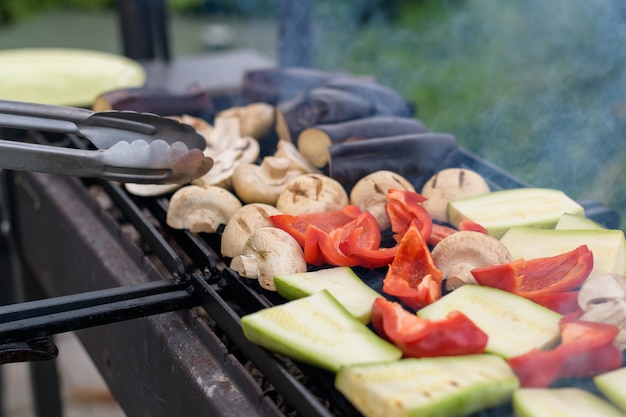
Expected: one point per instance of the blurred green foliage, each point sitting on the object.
(13, 11)
(538, 88)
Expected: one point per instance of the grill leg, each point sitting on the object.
(19, 284)
(45, 385)
(44, 374)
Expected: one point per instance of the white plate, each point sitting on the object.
(70, 77)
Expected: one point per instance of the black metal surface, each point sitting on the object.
(39, 349)
(73, 247)
(36, 319)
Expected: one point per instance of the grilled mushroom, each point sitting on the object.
(369, 193)
(451, 184)
(229, 150)
(247, 220)
(456, 255)
(201, 209)
(265, 182)
(267, 253)
(312, 193)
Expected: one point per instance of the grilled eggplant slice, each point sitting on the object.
(416, 157)
(314, 141)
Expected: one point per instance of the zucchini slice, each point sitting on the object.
(319, 331)
(557, 402)
(428, 387)
(612, 384)
(342, 282)
(498, 211)
(514, 324)
(607, 245)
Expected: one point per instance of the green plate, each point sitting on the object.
(69, 77)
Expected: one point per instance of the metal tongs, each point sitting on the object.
(130, 146)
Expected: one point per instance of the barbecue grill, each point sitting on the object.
(157, 309)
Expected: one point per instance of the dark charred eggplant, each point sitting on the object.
(387, 102)
(193, 102)
(319, 106)
(314, 141)
(416, 157)
(274, 85)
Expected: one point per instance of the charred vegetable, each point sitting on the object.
(320, 105)
(314, 141)
(276, 84)
(415, 157)
(194, 102)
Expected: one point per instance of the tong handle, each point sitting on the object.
(21, 156)
(64, 119)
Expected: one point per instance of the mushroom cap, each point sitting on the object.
(263, 183)
(247, 220)
(456, 255)
(451, 184)
(269, 252)
(312, 193)
(201, 209)
(240, 151)
(370, 193)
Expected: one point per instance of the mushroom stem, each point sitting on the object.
(460, 274)
(275, 168)
(246, 265)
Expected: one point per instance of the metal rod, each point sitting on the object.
(294, 391)
(26, 321)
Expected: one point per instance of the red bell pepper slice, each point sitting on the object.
(412, 276)
(403, 208)
(586, 350)
(319, 249)
(296, 226)
(466, 225)
(440, 232)
(417, 337)
(538, 276)
(322, 248)
(565, 302)
(367, 258)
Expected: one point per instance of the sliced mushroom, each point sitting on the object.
(602, 297)
(456, 255)
(265, 182)
(269, 252)
(229, 150)
(247, 220)
(370, 192)
(255, 119)
(201, 209)
(600, 288)
(451, 184)
(286, 149)
(312, 193)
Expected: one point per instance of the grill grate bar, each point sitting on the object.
(172, 261)
(296, 394)
(34, 319)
